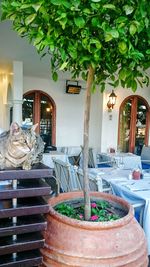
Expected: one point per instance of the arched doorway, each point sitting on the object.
(133, 132)
(39, 107)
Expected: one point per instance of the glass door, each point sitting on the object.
(133, 124)
(27, 110)
(141, 121)
(39, 108)
(124, 126)
(46, 121)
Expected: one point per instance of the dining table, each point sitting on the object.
(108, 174)
(122, 160)
(135, 191)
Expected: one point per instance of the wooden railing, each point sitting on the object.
(22, 209)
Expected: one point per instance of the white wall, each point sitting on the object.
(5, 100)
(69, 112)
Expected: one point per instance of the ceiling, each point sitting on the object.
(15, 48)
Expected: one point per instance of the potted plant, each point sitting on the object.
(104, 42)
(75, 242)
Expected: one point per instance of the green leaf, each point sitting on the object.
(87, 11)
(29, 19)
(79, 21)
(132, 29)
(14, 4)
(24, 6)
(55, 76)
(102, 87)
(95, 22)
(73, 54)
(134, 85)
(66, 4)
(12, 16)
(109, 6)
(114, 33)
(63, 54)
(146, 22)
(108, 37)
(36, 6)
(63, 22)
(83, 75)
(56, 2)
(93, 89)
(128, 9)
(122, 47)
(21, 30)
(96, 1)
(37, 40)
(148, 51)
(121, 19)
(122, 74)
(96, 42)
(63, 66)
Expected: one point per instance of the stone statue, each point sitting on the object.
(20, 148)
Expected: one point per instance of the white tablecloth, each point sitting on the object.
(128, 160)
(47, 158)
(70, 150)
(134, 191)
(109, 174)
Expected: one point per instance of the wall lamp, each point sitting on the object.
(112, 101)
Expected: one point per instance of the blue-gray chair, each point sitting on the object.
(145, 157)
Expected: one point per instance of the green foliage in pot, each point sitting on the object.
(101, 211)
(107, 42)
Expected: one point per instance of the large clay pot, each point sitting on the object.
(70, 242)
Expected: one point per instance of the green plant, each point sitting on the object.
(106, 41)
(100, 211)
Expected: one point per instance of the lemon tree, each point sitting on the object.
(105, 41)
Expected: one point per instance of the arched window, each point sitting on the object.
(38, 107)
(133, 129)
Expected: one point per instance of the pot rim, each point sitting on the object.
(86, 224)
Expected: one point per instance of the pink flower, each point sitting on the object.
(80, 216)
(93, 205)
(94, 218)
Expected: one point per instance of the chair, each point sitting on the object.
(145, 157)
(92, 181)
(65, 174)
(96, 183)
(95, 161)
(138, 211)
(137, 204)
(74, 160)
(54, 184)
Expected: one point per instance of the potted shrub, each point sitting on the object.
(104, 42)
(75, 242)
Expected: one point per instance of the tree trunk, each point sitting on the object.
(87, 209)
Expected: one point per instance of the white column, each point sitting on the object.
(17, 111)
(17, 91)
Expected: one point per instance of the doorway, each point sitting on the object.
(133, 132)
(39, 107)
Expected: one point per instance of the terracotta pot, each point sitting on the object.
(70, 242)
